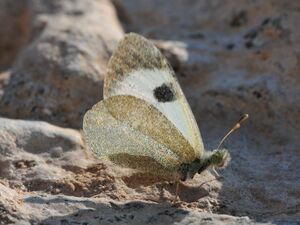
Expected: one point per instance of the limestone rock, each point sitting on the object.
(13, 31)
(58, 75)
(68, 210)
(32, 150)
(39, 159)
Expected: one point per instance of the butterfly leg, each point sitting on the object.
(176, 191)
(216, 173)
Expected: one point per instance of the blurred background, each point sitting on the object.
(231, 57)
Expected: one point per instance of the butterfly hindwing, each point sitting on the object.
(137, 68)
(109, 136)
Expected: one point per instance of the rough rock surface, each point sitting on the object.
(101, 211)
(13, 32)
(58, 75)
(230, 57)
(32, 150)
(43, 168)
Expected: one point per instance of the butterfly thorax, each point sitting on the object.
(217, 158)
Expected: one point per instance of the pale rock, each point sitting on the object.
(72, 210)
(58, 75)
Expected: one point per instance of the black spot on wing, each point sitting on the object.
(164, 93)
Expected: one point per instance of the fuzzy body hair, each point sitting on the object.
(218, 158)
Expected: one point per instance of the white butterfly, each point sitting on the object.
(144, 121)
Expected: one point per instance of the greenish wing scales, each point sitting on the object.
(108, 136)
(145, 118)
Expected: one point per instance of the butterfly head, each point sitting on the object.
(219, 158)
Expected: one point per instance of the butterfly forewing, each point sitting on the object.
(137, 68)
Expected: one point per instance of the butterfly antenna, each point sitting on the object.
(235, 127)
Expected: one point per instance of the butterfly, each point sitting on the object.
(144, 121)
